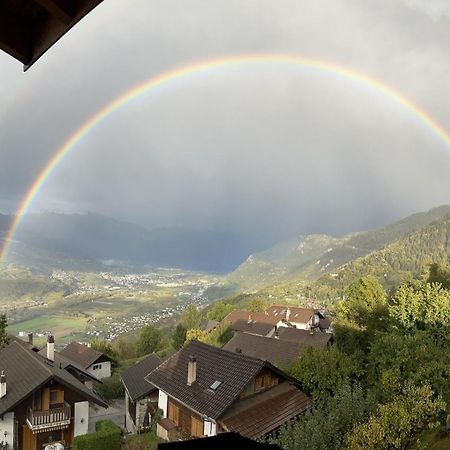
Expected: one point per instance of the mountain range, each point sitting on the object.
(386, 252)
(93, 242)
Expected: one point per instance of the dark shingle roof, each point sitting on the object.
(254, 323)
(213, 364)
(134, 378)
(276, 351)
(81, 354)
(256, 416)
(27, 371)
(304, 337)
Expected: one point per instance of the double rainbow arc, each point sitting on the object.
(197, 68)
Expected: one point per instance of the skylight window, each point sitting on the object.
(213, 388)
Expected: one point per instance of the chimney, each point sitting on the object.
(30, 338)
(2, 384)
(288, 314)
(238, 350)
(51, 348)
(192, 370)
(249, 321)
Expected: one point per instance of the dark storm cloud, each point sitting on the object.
(273, 149)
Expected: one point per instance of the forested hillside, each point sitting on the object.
(308, 258)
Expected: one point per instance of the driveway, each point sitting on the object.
(115, 413)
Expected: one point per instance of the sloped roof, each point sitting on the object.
(82, 355)
(27, 371)
(28, 28)
(235, 371)
(300, 315)
(304, 337)
(134, 378)
(276, 351)
(208, 325)
(258, 415)
(255, 323)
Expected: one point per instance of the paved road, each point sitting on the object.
(115, 413)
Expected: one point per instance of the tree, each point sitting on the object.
(179, 336)
(191, 317)
(124, 349)
(4, 340)
(394, 425)
(256, 305)
(440, 274)
(421, 304)
(322, 372)
(365, 304)
(325, 426)
(105, 347)
(219, 310)
(149, 340)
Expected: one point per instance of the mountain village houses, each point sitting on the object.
(204, 390)
(199, 391)
(43, 398)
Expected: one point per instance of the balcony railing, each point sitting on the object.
(54, 418)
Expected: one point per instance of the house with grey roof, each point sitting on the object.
(43, 399)
(94, 362)
(260, 324)
(204, 391)
(277, 352)
(141, 397)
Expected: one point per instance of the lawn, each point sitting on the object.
(436, 439)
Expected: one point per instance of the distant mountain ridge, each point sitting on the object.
(311, 257)
(95, 242)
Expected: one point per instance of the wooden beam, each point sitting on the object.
(15, 38)
(58, 9)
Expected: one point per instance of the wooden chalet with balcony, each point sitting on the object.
(204, 391)
(43, 400)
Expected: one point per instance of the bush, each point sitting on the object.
(111, 388)
(108, 436)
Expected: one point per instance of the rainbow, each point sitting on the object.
(197, 68)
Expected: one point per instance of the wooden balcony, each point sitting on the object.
(52, 419)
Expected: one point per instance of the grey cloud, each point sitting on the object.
(270, 149)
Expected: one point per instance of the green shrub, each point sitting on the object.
(108, 436)
(110, 388)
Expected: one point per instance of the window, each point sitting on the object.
(53, 397)
(37, 400)
(96, 367)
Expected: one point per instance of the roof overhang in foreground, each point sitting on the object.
(28, 28)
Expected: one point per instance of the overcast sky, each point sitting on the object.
(271, 149)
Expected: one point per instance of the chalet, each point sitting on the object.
(141, 397)
(92, 361)
(302, 318)
(260, 324)
(278, 352)
(43, 401)
(204, 391)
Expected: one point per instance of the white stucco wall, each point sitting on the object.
(81, 418)
(7, 424)
(162, 402)
(102, 372)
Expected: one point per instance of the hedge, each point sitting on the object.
(107, 436)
